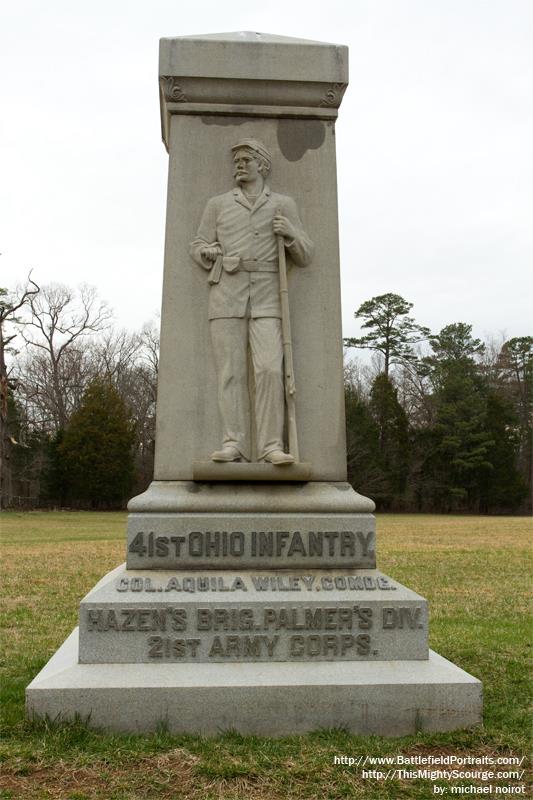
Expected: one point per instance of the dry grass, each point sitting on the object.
(474, 571)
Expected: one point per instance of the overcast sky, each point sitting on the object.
(434, 136)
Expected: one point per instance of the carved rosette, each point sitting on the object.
(172, 91)
(333, 96)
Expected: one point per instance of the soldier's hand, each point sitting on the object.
(210, 253)
(283, 227)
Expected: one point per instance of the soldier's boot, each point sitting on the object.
(279, 458)
(227, 453)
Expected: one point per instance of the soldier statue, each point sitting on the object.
(238, 244)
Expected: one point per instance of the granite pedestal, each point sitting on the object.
(250, 599)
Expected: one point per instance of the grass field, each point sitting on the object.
(474, 571)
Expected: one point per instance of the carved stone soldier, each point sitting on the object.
(237, 242)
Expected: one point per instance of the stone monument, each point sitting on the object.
(250, 599)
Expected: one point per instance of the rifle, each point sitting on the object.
(288, 366)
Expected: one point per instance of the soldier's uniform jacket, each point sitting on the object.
(244, 231)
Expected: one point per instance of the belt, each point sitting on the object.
(259, 266)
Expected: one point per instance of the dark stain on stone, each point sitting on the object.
(193, 487)
(215, 119)
(295, 138)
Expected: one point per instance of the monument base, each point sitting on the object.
(388, 698)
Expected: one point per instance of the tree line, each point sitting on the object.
(77, 400)
(437, 422)
(440, 421)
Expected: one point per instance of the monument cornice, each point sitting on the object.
(253, 84)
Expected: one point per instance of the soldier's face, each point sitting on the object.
(246, 168)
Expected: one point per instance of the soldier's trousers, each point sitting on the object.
(230, 338)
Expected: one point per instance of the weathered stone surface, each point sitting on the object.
(213, 471)
(251, 541)
(372, 698)
(281, 615)
(322, 497)
(188, 421)
(251, 74)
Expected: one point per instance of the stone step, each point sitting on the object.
(141, 616)
(383, 698)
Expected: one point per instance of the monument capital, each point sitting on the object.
(250, 74)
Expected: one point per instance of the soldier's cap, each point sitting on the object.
(256, 146)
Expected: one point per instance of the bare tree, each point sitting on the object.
(130, 362)
(146, 376)
(9, 305)
(55, 331)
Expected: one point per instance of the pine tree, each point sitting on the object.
(392, 332)
(502, 487)
(393, 433)
(96, 451)
(515, 384)
(458, 456)
(365, 471)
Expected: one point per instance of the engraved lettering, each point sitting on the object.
(177, 541)
(316, 543)
(331, 536)
(260, 583)
(212, 544)
(402, 617)
(347, 543)
(281, 540)
(94, 619)
(236, 543)
(365, 540)
(271, 644)
(345, 618)
(216, 648)
(155, 647)
(296, 545)
(194, 644)
(266, 543)
(252, 646)
(128, 619)
(161, 546)
(330, 623)
(347, 642)
(137, 545)
(313, 618)
(143, 620)
(111, 621)
(178, 619)
(196, 541)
